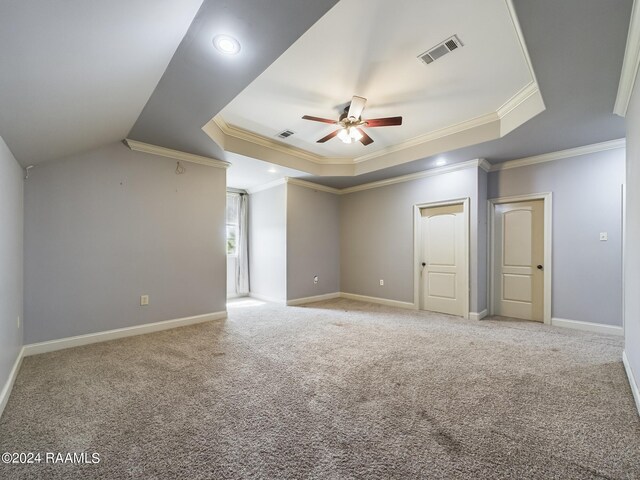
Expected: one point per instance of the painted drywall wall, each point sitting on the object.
(268, 244)
(481, 272)
(587, 200)
(107, 226)
(11, 258)
(376, 230)
(632, 238)
(313, 242)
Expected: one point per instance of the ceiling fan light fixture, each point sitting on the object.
(226, 44)
(343, 135)
(354, 134)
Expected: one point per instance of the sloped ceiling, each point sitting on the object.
(75, 74)
(200, 81)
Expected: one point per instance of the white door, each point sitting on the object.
(518, 260)
(444, 262)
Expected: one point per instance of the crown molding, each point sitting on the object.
(415, 176)
(431, 136)
(630, 64)
(484, 165)
(175, 154)
(242, 134)
(267, 186)
(518, 99)
(314, 186)
(552, 156)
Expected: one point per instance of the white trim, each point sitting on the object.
(630, 63)
(551, 156)
(547, 197)
(432, 136)
(176, 154)
(242, 134)
(62, 343)
(632, 380)
(315, 298)
(265, 298)
(311, 185)
(465, 202)
(478, 315)
(266, 186)
(517, 100)
(8, 385)
(415, 176)
(587, 326)
(380, 301)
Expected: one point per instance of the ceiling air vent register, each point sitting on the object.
(440, 50)
(285, 134)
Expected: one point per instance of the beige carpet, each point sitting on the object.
(339, 390)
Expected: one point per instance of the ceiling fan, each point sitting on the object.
(351, 123)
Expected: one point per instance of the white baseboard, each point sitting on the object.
(315, 298)
(381, 301)
(478, 315)
(587, 326)
(632, 380)
(264, 298)
(8, 385)
(62, 343)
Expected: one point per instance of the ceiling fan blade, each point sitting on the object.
(319, 119)
(329, 137)
(356, 107)
(384, 122)
(366, 139)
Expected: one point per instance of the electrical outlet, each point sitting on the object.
(315, 279)
(604, 236)
(144, 300)
(381, 283)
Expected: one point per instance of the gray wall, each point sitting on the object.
(587, 200)
(481, 272)
(632, 237)
(11, 300)
(313, 242)
(268, 243)
(107, 226)
(376, 229)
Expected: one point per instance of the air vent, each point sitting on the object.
(285, 134)
(441, 49)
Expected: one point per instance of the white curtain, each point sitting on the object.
(242, 262)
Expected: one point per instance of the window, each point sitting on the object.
(232, 223)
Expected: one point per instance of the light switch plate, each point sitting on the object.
(144, 300)
(604, 236)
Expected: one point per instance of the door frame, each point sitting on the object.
(547, 198)
(417, 240)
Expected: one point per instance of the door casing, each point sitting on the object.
(417, 243)
(548, 267)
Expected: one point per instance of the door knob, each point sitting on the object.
(424, 264)
(540, 267)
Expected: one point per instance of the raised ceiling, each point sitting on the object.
(369, 48)
(76, 75)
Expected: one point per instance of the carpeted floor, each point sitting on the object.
(337, 389)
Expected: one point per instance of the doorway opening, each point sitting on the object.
(441, 256)
(519, 274)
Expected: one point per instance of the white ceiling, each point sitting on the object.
(369, 48)
(246, 173)
(76, 74)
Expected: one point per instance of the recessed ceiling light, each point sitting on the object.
(226, 44)
(440, 162)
